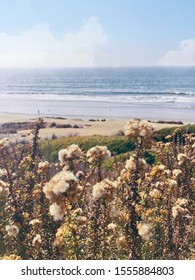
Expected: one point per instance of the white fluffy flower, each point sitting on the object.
(131, 164)
(71, 152)
(182, 158)
(6, 142)
(145, 230)
(34, 222)
(112, 226)
(56, 211)
(155, 194)
(180, 207)
(37, 239)
(3, 172)
(161, 167)
(12, 230)
(182, 202)
(98, 153)
(142, 128)
(176, 172)
(43, 164)
(172, 183)
(103, 189)
(59, 183)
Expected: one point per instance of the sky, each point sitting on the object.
(97, 33)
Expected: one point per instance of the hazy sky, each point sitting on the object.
(71, 33)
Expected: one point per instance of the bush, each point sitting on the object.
(162, 133)
(92, 206)
(150, 157)
(116, 144)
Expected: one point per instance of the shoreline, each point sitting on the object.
(64, 127)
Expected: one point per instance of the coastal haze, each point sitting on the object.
(141, 92)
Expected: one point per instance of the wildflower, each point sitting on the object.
(12, 230)
(167, 144)
(112, 226)
(161, 167)
(82, 220)
(114, 212)
(122, 242)
(124, 216)
(11, 257)
(139, 209)
(181, 158)
(56, 211)
(131, 163)
(172, 183)
(43, 164)
(182, 202)
(3, 172)
(148, 213)
(123, 171)
(71, 152)
(176, 172)
(37, 240)
(139, 128)
(155, 194)
(177, 210)
(58, 242)
(143, 195)
(154, 171)
(180, 207)
(34, 222)
(26, 215)
(80, 174)
(160, 185)
(145, 230)
(104, 189)
(59, 183)
(60, 231)
(3, 186)
(80, 188)
(27, 159)
(6, 142)
(98, 153)
(78, 211)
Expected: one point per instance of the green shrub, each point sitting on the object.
(150, 157)
(162, 133)
(116, 144)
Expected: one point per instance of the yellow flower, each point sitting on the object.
(124, 216)
(11, 257)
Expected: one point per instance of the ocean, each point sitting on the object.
(142, 92)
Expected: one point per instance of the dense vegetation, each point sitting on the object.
(116, 144)
(120, 197)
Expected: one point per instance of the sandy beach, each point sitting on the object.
(54, 127)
